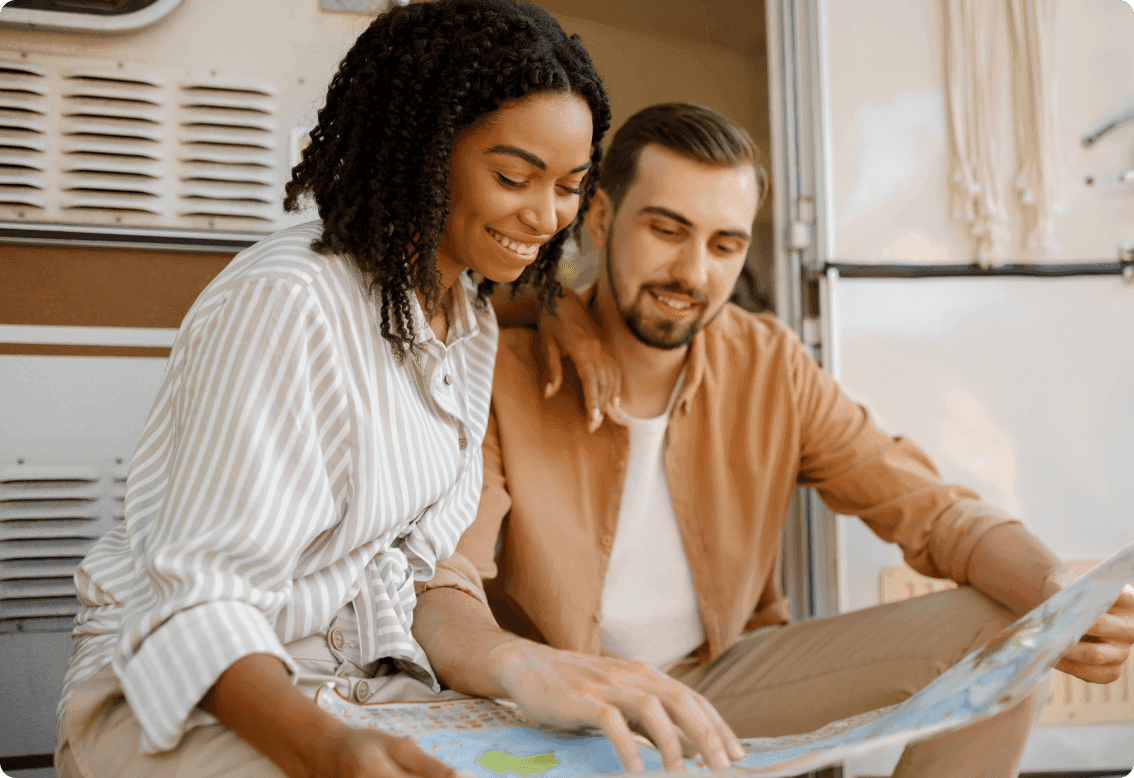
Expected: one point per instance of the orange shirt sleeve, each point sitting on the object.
(475, 558)
(887, 481)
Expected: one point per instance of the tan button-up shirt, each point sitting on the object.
(756, 416)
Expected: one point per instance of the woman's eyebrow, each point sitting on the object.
(530, 158)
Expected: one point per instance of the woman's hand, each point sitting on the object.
(1099, 655)
(362, 753)
(572, 332)
(256, 699)
(568, 689)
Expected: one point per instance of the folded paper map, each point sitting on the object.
(492, 739)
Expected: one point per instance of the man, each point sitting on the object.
(645, 555)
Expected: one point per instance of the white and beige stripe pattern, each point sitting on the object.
(290, 465)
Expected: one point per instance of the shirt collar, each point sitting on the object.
(463, 323)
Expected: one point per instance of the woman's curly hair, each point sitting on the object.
(377, 165)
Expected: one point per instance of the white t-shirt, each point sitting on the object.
(649, 607)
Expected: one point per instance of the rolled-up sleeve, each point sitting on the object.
(887, 481)
(250, 470)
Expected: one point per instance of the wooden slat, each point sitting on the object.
(86, 287)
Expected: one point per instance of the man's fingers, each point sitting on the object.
(728, 737)
(721, 736)
(1115, 627)
(1097, 653)
(1125, 601)
(618, 733)
(654, 719)
(700, 728)
(413, 760)
(1090, 673)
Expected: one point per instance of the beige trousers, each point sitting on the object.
(796, 678)
(98, 735)
(776, 681)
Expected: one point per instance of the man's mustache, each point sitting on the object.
(677, 288)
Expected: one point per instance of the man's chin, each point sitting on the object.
(665, 338)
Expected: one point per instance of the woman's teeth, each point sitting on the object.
(680, 305)
(523, 249)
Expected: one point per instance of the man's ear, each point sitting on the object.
(598, 218)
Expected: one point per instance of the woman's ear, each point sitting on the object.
(598, 218)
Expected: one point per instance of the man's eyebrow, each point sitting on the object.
(532, 159)
(659, 211)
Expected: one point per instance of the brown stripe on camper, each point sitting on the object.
(77, 350)
(89, 287)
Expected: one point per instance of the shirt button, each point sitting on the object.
(462, 443)
(362, 691)
(448, 379)
(337, 639)
(344, 674)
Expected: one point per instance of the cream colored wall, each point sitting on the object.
(294, 45)
(642, 68)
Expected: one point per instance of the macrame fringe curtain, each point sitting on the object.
(977, 60)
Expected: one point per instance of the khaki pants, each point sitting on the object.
(98, 735)
(776, 681)
(795, 678)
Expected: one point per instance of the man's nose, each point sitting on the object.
(692, 266)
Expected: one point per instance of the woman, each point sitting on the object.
(315, 445)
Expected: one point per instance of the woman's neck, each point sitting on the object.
(448, 272)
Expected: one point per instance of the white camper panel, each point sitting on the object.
(1014, 386)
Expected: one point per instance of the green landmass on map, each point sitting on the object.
(502, 762)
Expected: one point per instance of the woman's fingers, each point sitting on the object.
(409, 757)
(592, 398)
(368, 754)
(553, 363)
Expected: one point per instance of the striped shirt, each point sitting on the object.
(290, 465)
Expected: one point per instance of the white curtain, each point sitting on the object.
(991, 45)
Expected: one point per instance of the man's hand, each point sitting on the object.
(573, 332)
(567, 689)
(1099, 655)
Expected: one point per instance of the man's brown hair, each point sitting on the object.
(693, 131)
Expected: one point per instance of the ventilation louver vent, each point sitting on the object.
(127, 145)
(23, 136)
(50, 516)
(228, 150)
(112, 137)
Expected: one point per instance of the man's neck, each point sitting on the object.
(648, 374)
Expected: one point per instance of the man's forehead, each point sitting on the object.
(667, 179)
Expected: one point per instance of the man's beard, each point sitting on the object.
(660, 333)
